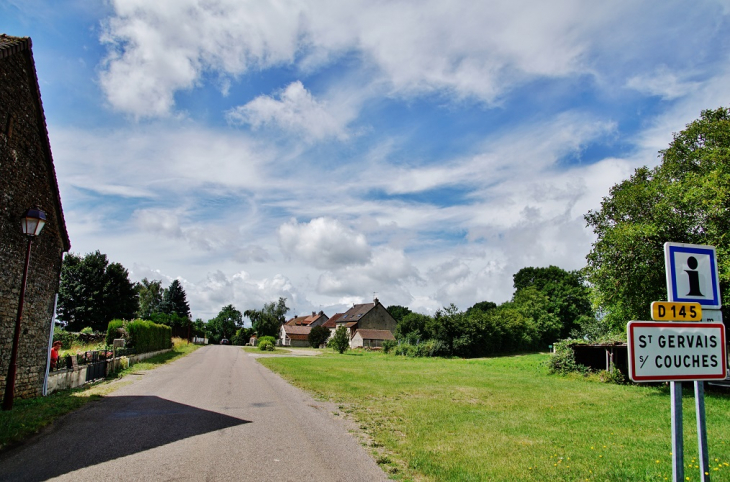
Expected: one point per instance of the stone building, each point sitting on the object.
(27, 180)
(378, 324)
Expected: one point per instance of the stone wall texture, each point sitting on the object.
(27, 179)
(377, 319)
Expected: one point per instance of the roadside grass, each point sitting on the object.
(29, 416)
(277, 351)
(506, 419)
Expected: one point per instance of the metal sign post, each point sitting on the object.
(692, 275)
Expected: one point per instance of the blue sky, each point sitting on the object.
(327, 150)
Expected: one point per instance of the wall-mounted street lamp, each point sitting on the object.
(32, 223)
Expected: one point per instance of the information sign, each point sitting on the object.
(678, 351)
(671, 311)
(692, 274)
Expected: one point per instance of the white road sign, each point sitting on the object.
(676, 351)
(692, 274)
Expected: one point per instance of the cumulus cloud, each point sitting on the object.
(388, 272)
(296, 111)
(323, 243)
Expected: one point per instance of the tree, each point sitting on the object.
(225, 324)
(398, 312)
(482, 306)
(318, 336)
(93, 292)
(412, 325)
(268, 320)
(684, 199)
(174, 300)
(340, 341)
(150, 297)
(566, 291)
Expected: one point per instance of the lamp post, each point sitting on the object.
(32, 223)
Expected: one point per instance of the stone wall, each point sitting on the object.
(377, 318)
(27, 179)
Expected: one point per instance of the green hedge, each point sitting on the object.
(145, 336)
(112, 331)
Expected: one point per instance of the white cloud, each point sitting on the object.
(462, 49)
(663, 83)
(295, 111)
(323, 243)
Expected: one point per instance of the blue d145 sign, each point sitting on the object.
(692, 274)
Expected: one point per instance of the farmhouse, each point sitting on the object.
(371, 318)
(27, 181)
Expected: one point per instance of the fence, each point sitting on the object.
(75, 370)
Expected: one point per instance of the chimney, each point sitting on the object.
(314, 313)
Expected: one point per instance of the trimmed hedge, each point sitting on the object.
(112, 331)
(145, 336)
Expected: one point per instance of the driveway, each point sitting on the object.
(214, 415)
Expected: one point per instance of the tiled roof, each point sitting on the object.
(297, 330)
(357, 312)
(11, 46)
(305, 320)
(376, 334)
(332, 322)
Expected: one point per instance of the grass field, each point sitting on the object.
(506, 419)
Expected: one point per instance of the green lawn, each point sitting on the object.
(507, 419)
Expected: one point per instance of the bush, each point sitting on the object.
(146, 336)
(340, 342)
(266, 345)
(65, 337)
(87, 330)
(388, 345)
(115, 330)
(318, 336)
(270, 339)
(563, 360)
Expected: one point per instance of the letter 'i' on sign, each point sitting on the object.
(692, 274)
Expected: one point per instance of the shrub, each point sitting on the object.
(340, 342)
(266, 345)
(87, 330)
(318, 336)
(388, 345)
(146, 336)
(614, 376)
(114, 330)
(562, 361)
(270, 339)
(65, 337)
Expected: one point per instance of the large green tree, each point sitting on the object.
(686, 199)
(225, 324)
(398, 312)
(93, 292)
(150, 297)
(568, 296)
(268, 320)
(175, 301)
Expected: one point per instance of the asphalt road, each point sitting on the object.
(213, 415)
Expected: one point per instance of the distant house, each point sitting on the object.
(27, 180)
(295, 332)
(294, 335)
(332, 323)
(315, 319)
(371, 317)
